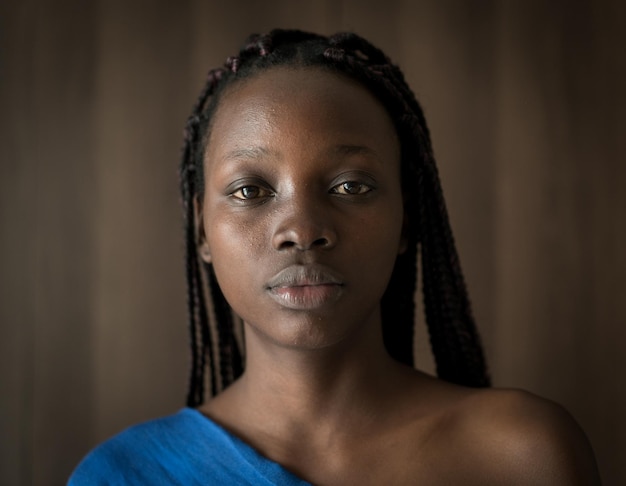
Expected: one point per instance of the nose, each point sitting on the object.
(303, 224)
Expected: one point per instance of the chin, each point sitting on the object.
(307, 333)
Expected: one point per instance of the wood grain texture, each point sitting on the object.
(527, 110)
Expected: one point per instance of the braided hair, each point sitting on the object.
(217, 333)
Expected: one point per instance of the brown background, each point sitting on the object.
(527, 106)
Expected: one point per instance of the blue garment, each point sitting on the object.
(186, 448)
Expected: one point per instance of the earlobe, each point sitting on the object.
(201, 240)
(205, 251)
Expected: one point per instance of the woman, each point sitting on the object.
(310, 188)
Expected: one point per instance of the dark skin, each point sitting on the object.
(302, 220)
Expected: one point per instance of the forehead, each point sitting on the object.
(296, 101)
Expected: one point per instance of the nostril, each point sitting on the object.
(321, 242)
(303, 236)
(287, 244)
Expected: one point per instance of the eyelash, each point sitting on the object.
(362, 188)
(240, 193)
(341, 189)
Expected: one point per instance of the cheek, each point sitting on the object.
(233, 235)
(377, 241)
(236, 243)
(383, 228)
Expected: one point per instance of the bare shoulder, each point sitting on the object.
(515, 437)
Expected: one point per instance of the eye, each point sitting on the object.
(250, 192)
(351, 188)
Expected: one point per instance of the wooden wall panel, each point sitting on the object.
(560, 212)
(449, 58)
(139, 327)
(527, 111)
(47, 239)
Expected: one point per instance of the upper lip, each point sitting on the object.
(305, 275)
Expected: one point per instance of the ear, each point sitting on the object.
(201, 240)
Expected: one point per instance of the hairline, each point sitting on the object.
(235, 82)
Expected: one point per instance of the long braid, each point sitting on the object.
(365, 62)
(200, 335)
(454, 339)
(192, 304)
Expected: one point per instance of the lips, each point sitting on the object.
(305, 287)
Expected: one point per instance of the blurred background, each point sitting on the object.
(526, 101)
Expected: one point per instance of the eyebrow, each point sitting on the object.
(258, 152)
(355, 150)
(248, 153)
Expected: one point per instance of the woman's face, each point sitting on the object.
(302, 211)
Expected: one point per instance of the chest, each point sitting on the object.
(409, 457)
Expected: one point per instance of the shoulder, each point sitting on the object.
(515, 437)
(138, 452)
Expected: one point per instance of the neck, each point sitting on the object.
(327, 387)
(326, 400)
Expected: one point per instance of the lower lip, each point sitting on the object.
(306, 297)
